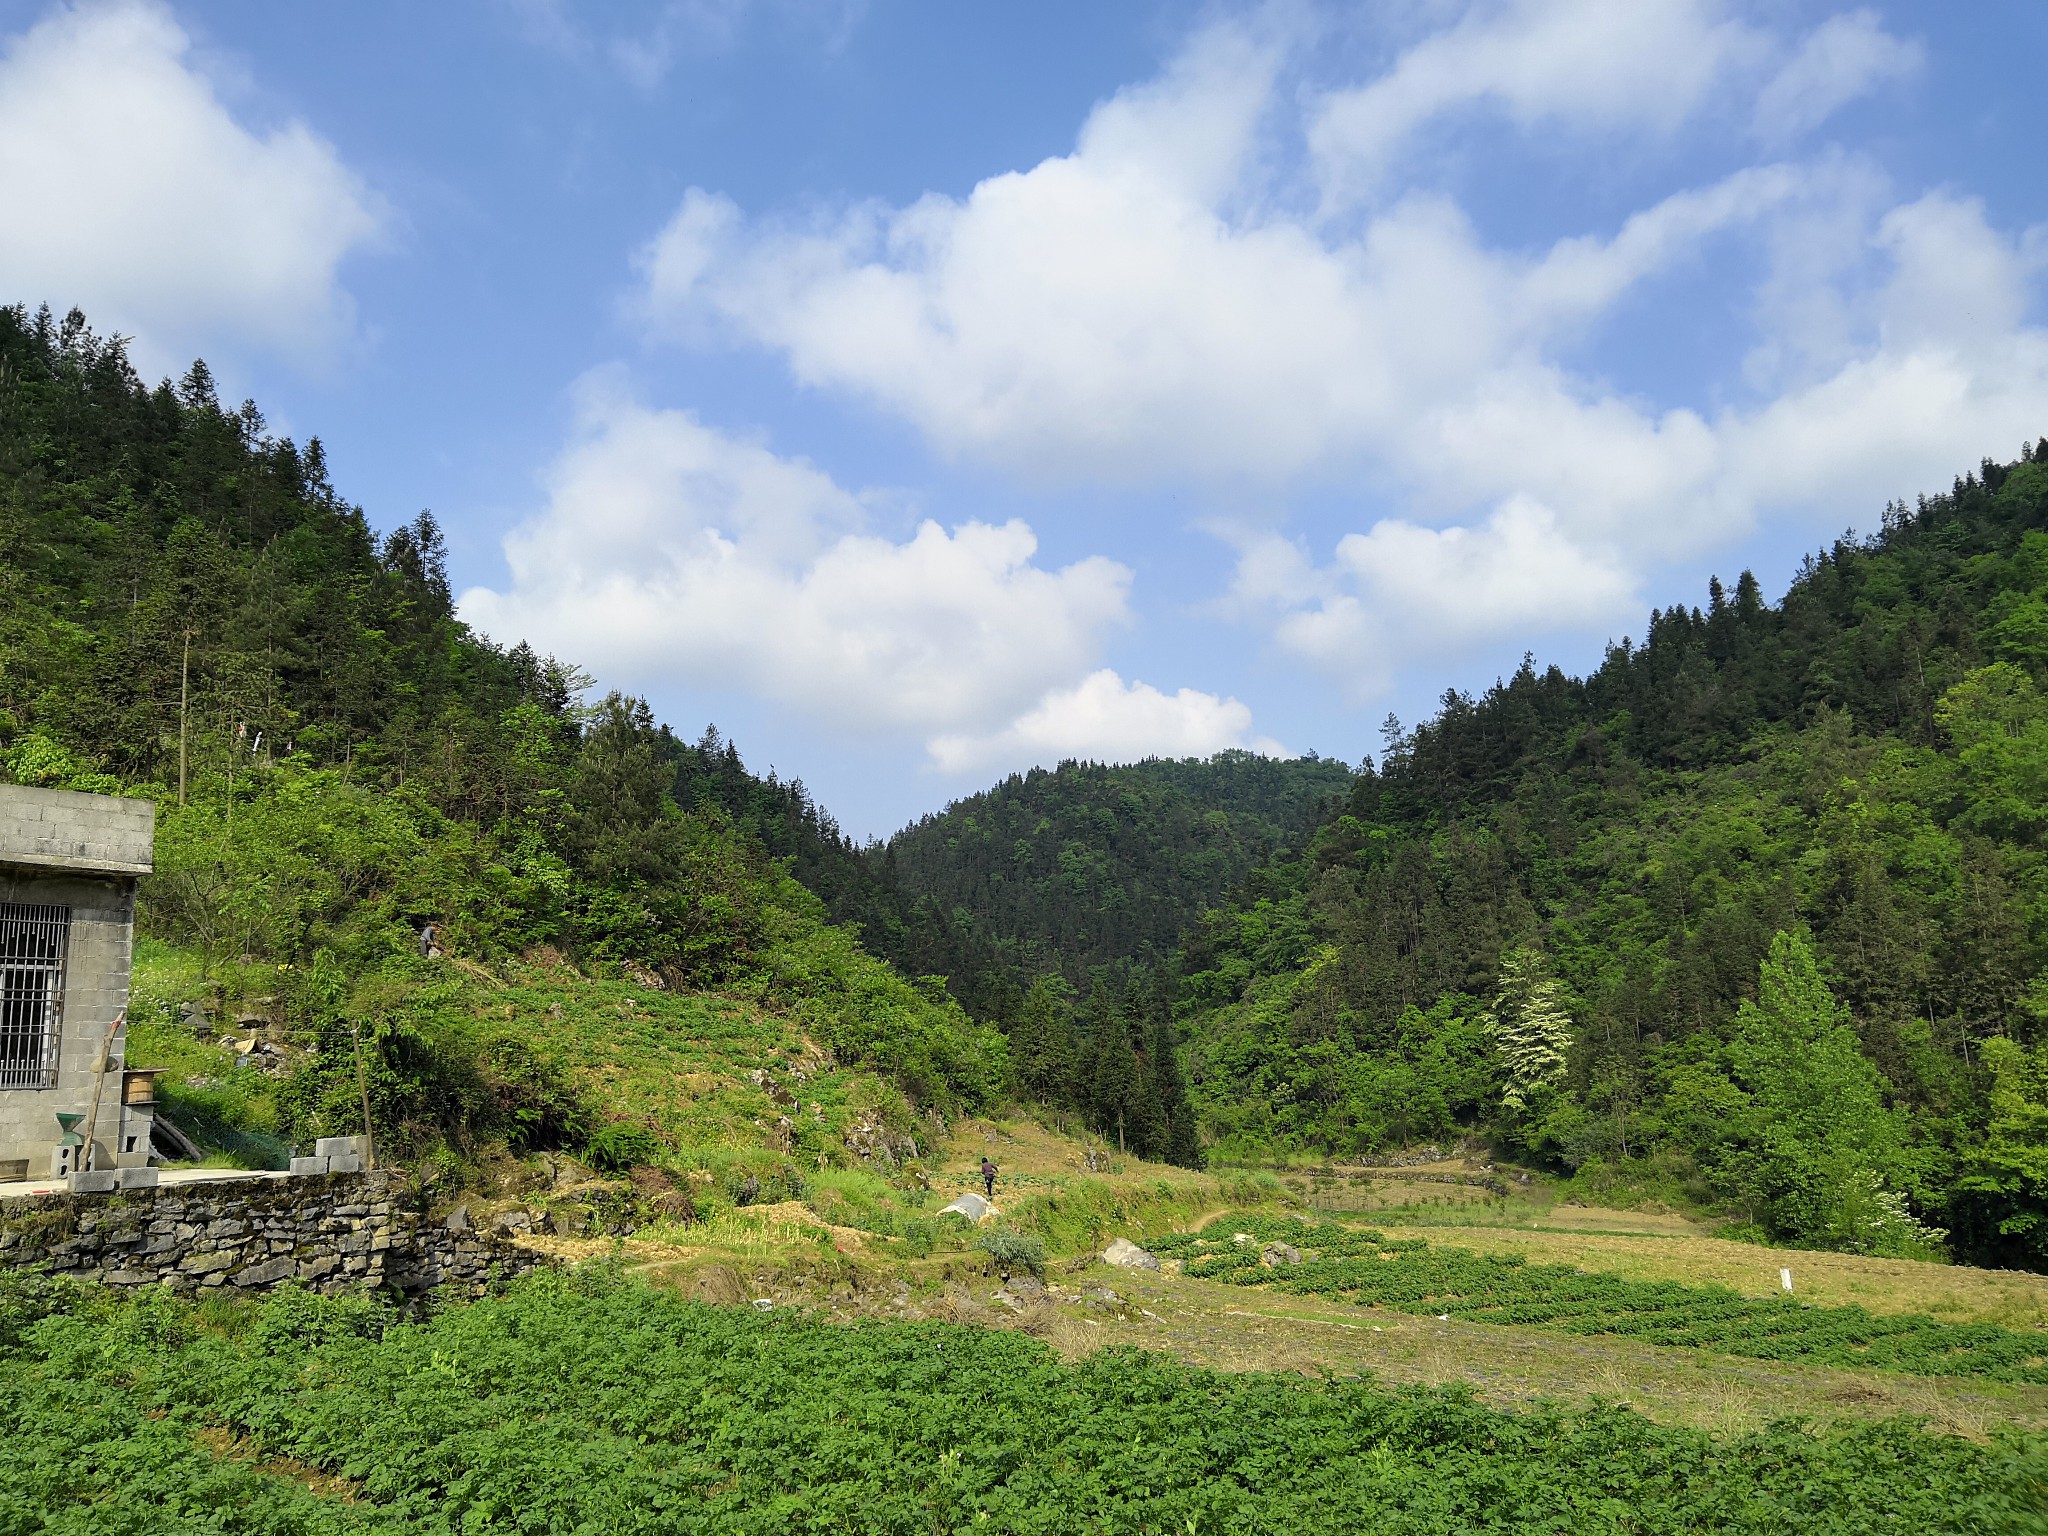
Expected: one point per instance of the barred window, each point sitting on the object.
(32, 945)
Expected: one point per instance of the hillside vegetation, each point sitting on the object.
(1085, 866)
(189, 612)
(1755, 916)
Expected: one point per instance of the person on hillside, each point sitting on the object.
(988, 1176)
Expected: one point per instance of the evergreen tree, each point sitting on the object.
(1531, 1031)
(1175, 1137)
(1114, 1077)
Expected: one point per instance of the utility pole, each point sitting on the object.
(355, 1028)
(184, 697)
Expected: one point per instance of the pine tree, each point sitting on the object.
(1532, 1032)
(1145, 1121)
(1175, 1140)
(1113, 1077)
(1042, 1043)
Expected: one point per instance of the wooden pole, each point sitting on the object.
(355, 1028)
(184, 697)
(99, 1083)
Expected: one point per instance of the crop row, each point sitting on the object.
(587, 1404)
(1415, 1276)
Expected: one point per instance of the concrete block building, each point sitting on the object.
(68, 868)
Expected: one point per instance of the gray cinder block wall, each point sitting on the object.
(83, 854)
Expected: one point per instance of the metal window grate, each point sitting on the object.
(32, 944)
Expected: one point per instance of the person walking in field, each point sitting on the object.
(988, 1176)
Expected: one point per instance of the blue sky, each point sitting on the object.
(924, 391)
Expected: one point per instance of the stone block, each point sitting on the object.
(304, 1165)
(345, 1162)
(269, 1272)
(318, 1269)
(207, 1263)
(341, 1146)
(100, 1181)
(137, 1178)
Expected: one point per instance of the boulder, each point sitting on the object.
(1273, 1255)
(1125, 1254)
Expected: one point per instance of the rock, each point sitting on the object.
(1125, 1254)
(1273, 1255)
(456, 1220)
(1241, 1238)
(269, 1272)
(1028, 1287)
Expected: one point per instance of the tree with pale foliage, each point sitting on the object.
(1530, 1026)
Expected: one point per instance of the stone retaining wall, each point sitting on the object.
(331, 1233)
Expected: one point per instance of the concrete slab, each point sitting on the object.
(21, 1189)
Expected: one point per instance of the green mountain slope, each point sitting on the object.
(1086, 865)
(1755, 914)
(189, 612)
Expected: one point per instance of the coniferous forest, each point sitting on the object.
(1754, 918)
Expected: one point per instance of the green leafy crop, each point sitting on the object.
(582, 1403)
(1414, 1276)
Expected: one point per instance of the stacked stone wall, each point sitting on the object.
(330, 1233)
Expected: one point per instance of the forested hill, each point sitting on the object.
(189, 611)
(1064, 871)
(1755, 914)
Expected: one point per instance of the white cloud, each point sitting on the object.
(669, 550)
(1843, 58)
(1105, 719)
(133, 192)
(1399, 592)
(1159, 307)
(1608, 64)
